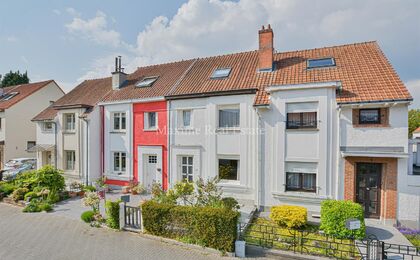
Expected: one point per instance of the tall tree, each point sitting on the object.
(413, 120)
(14, 78)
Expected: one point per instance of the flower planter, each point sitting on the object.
(73, 194)
(81, 193)
(125, 190)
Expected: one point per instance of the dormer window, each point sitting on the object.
(221, 73)
(146, 82)
(320, 63)
(9, 96)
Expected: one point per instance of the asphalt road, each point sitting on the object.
(50, 236)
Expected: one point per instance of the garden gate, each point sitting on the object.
(132, 218)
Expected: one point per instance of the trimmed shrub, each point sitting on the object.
(88, 216)
(335, 213)
(230, 203)
(206, 226)
(19, 194)
(7, 188)
(112, 209)
(289, 216)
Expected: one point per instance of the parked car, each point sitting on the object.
(15, 166)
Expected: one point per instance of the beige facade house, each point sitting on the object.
(18, 105)
(75, 123)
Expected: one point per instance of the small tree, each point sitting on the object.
(14, 78)
(413, 120)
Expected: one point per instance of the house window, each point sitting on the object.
(229, 169)
(297, 181)
(320, 63)
(146, 82)
(30, 144)
(150, 120)
(119, 121)
(229, 117)
(186, 118)
(47, 126)
(370, 116)
(301, 120)
(70, 160)
(152, 159)
(69, 122)
(221, 73)
(119, 162)
(187, 168)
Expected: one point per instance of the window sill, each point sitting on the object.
(228, 129)
(150, 130)
(117, 132)
(68, 132)
(371, 126)
(112, 176)
(300, 196)
(46, 131)
(302, 129)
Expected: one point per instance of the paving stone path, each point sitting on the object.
(51, 236)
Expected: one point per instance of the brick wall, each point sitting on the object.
(384, 111)
(388, 183)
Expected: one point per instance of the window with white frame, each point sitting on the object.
(229, 116)
(301, 176)
(118, 121)
(47, 126)
(70, 160)
(187, 168)
(120, 159)
(150, 120)
(69, 122)
(185, 118)
(229, 169)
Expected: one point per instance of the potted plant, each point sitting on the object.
(125, 189)
(75, 189)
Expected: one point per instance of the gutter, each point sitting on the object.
(213, 94)
(408, 100)
(129, 101)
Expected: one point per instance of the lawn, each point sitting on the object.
(263, 232)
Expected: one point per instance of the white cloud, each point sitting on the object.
(95, 29)
(414, 88)
(212, 27)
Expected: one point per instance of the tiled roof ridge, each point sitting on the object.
(329, 47)
(161, 64)
(44, 82)
(95, 79)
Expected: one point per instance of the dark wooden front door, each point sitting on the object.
(368, 188)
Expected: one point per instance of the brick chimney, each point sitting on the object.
(118, 76)
(266, 50)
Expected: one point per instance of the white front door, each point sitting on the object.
(150, 165)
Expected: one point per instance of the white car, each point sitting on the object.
(16, 163)
(15, 166)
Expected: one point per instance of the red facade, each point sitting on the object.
(150, 138)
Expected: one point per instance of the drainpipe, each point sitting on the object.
(338, 174)
(87, 150)
(169, 150)
(259, 155)
(55, 144)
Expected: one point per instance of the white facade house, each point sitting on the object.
(219, 135)
(19, 104)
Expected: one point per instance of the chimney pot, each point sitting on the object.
(266, 50)
(118, 76)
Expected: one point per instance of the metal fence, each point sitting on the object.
(318, 244)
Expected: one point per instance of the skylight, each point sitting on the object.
(221, 73)
(146, 82)
(9, 96)
(320, 63)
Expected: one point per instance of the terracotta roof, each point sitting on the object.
(23, 91)
(47, 114)
(417, 130)
(365, 73)
(168, 74)
(86, 94)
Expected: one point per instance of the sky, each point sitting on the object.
(71, 41)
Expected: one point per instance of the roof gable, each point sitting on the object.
(22, 91)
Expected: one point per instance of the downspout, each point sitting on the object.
(259, 155)
(338, 173)
(55, 144)
(168, 159)
(87, 150)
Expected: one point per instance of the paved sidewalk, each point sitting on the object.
(48, 236)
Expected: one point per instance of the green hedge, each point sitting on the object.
(209, 227)
(335, 213)
(112, 214)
